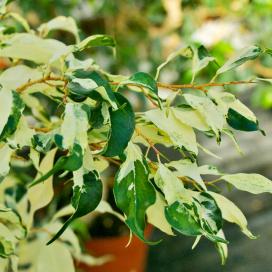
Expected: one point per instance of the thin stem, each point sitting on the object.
(113, 161)
(188, 180)
(151, 144)
(213, 181)
(202, 86)
(173, 87)
(42, 129)
(38, 81)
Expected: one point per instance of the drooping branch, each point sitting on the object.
(202, 86)
(40, 80)
(173, 87)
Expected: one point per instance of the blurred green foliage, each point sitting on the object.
(148, 31)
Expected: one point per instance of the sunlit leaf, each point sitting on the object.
(156, 217)
(5, 155)
(95, 40)
(183, 52)
(248, 53)
(232, 213)
(181, 134)
(252, 183)
(201, 59)
(186, 168)
(40, 195)
(30, 47)
(60, 23)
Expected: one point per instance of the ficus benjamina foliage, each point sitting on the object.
(95, 125)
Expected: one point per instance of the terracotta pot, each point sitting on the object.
(125, 259)
(3, 63)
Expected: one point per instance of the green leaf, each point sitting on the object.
(209, 170)
(170, 185)
(40, 195)
(239, 116)
(42, 142)
(11, 106)
(186, 52)
(22, 136)
(210, 112)
(60, 23)
(26, 74)
(240, 122)
(31, 47)
(232, 137)
(199, 215)
(186, 168)
(75, 126)
(201, 59)
(73, 136)
(134, 193)
(5, 155)
(252, 183)
(268, 80)
(144, 80)
(151, 132)
(20, 19)
(209, 213)
(222, 248)
(95, 40)
(71, 162)
(100, 115)
(180, 134)
(191, 117)
(156, 217)
(91, 84)
(11, 219)
(122, 127)
(3, 5)
(133, 153)
(7, 241)
(248, 53)
(232, 213)
(87, 194)
(181, 217)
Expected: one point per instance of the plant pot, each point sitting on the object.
(125, 259)
(3, 63)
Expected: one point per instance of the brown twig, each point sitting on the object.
(173, 87)
(38, 81)
(202, 86)
(113, 161)
(151, 144)
(43, 129)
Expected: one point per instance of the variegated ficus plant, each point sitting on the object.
(93, 125)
